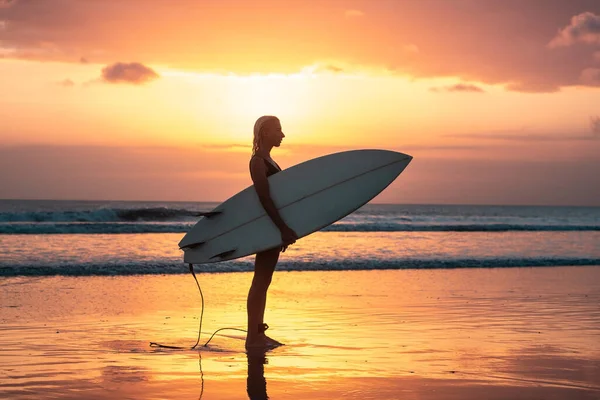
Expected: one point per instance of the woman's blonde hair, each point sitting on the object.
(258, 130)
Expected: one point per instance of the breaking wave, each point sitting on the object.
(81, 268)
(100, 215)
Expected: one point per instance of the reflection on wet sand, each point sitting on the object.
(256, 384)
(468, 334)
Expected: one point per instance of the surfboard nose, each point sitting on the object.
(407, 158)
(391, 156)
(403, 155)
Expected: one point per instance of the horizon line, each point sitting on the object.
(369, 203)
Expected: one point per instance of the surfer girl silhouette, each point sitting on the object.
(267, 134)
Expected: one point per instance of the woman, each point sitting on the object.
(267, 134)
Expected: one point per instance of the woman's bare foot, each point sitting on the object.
(273, 342)
(262, 341)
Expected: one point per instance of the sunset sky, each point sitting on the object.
(498, 101)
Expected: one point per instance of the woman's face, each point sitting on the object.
(272, 134)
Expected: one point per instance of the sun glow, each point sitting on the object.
(325, 103)
(255, 95)
(304, 100)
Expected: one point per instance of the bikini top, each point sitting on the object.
(272, 167)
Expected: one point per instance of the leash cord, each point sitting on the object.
(164, 346)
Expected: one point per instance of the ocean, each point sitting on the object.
(82, 238)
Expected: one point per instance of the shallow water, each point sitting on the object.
(158, 253)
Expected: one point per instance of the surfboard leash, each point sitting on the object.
(154, 344)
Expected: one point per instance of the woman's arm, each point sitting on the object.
(258, 173)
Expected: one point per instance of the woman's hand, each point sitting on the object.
(288, 237)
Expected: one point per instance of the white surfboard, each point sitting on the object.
(309, 196)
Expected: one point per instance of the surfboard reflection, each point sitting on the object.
(256, 385)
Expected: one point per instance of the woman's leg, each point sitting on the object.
(264, 265)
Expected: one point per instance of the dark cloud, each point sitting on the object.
(590, 76)
(66, 83)
(584, 27)
(533, 87)
(595, 125)
(492, 42)
(134, 73)
(523, 137)
(83, 60)
(459, 87)
(7, 3)
(34, 23)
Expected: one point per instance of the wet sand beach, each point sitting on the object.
(514, 333)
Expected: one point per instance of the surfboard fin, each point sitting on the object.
(192, 246)
(207, 214)
(224, 254)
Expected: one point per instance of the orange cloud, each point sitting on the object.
(497, 43)
(459, 87)
(134, 73)
(66, 83)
